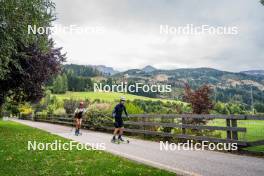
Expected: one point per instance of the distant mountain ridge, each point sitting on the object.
(148, 69)
(228, 86)
(254, 72)
(107, 71)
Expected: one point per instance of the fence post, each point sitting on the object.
(228, 132)
(144, 127)
(33, 116)
(165, 119)
(234, 133)
(183, 123)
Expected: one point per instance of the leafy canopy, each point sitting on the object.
(27, 60)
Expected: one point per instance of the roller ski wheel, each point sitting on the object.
(124, 141)
(115, 141)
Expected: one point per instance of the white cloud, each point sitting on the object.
(132, 39)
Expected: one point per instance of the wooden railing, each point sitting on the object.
(142, 121)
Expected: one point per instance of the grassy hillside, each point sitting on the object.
(109, 96)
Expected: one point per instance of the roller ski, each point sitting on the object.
(126, 141)
(77, 132)
(115, 141)
(120, 140)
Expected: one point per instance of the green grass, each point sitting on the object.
(106, 96)
(255, 131)
(15, 159)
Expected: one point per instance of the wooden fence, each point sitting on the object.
(140, 124)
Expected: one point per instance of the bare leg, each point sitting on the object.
(80, 123)
(76, 123)
(116, 131)
(121, 131)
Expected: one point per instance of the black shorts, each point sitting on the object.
(119, 124)
(77, 117)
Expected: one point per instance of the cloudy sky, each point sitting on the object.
(126, 34)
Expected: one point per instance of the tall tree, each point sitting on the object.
(60, 84)
(65, 83)
(57, 85)
(27, 60)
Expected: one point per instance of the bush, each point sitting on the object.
(42, 114)
(11, 108)
(98, 113)
(133, 109)
(70, 105)
(50, 109)
(60, 111)
(25, 110)
(106, 107)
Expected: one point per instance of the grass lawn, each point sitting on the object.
(106, 96)
(255, 131)
(15, 159)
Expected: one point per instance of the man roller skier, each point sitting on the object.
(119, 125)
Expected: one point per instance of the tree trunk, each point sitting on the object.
(1, 115)
(1, 104)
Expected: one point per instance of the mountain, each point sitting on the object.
(149, 69)
(107, 71)
(227, 86)
(254, 72)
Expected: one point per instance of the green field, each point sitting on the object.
(255, 131)
(15, 159)
(105, 96)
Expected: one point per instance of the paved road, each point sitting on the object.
(182, 162)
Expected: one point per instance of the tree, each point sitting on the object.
(262, 2)
(221, 108)
(65, 83)
(259, 107)
(79, 83)
(57, 85)
(28, 60)
(199, 99)
(60, 84)
(35, 68)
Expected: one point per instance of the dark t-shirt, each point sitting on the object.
(117, 113)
